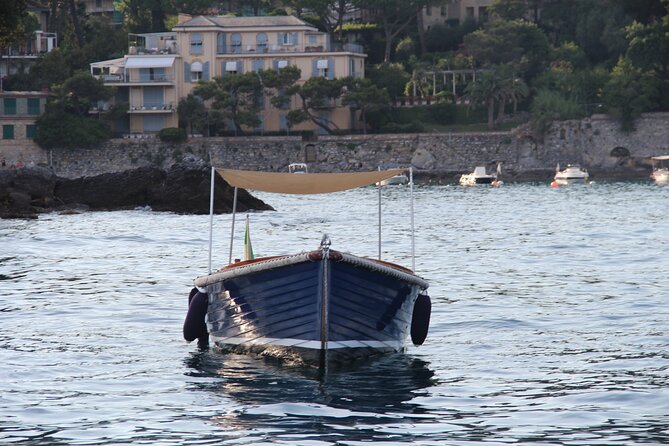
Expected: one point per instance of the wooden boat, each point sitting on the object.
(660, 173)
(315, 307)
(479, 176)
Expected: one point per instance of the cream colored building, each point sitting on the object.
(160, 69)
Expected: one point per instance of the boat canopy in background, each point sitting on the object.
(303, 183)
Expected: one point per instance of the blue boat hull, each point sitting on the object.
(315, 307)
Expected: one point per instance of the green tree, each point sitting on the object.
(234, 98)
(193, 113)
(331, 14)
(394, 16)
(519, 43)
(11, 15)
(391, 77)
(66, 121)
(365, 97)
(629, 92)
(549, 106)
(316, 95)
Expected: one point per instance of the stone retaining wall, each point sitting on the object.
(595, 143)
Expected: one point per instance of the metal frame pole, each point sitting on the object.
(380, 186)
(232, 230)
(211, 214)
(413, 239)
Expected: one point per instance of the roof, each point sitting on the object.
(304, 183)
(243, 22)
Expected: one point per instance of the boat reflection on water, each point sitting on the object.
(263, 395)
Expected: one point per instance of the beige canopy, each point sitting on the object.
(303, 183)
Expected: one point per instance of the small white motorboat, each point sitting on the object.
(298, 168)
(399, 179)
(479, 176)
(660, 172)
(572, 174)
(396, 180)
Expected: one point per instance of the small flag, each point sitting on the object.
(248, 249)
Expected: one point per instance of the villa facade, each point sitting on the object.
(162, 68)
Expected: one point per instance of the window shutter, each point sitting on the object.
(186, 72)
(314, 68)
(294, 42)
(331, 68)
(240, 67)
(205, 71)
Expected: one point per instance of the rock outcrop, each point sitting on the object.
(184, 188)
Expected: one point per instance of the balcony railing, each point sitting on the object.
(135, 78)
(275, 48)
(152, 107)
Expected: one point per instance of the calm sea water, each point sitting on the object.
(550, 324)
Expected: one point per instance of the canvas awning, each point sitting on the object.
(303, 183)
(660, 158)
(149, 62)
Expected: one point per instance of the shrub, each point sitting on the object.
(172, 134)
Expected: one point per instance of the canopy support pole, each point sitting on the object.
(232, 230)
(413, 240)
(211, 214)
(380, 186)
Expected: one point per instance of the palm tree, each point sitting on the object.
(487, 89)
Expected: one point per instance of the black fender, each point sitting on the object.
(420, 319)
(195, 326)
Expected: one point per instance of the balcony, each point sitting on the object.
(152, 108)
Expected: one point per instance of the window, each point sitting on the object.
(31, 131)
(285, 39)
(196, 43)
(8, 131)
(312, 39)
(220, 43)
(322, 68)
(10, 106)
(282, 64)
(153, 123)
(196, 72)
(153, 98)
(261, 42)
(258, 65)
(236, 41)
(428, 10)
(231, 67)
(33, 106)
(469, 12)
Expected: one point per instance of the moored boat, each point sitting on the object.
(660, 173)
(316, 307)
(480, 176)
(572, 174)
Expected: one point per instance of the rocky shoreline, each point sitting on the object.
(184, 188)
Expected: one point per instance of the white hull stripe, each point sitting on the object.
(313, 345)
